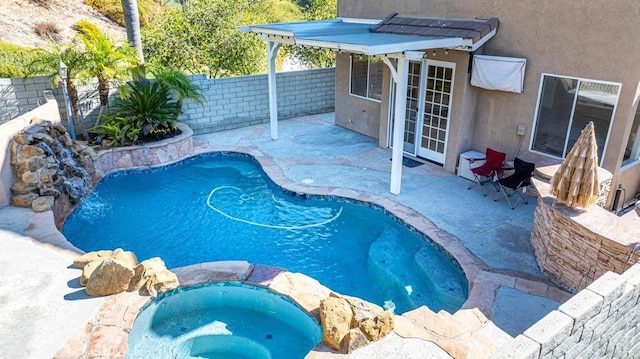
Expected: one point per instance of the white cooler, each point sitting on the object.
(469, 160)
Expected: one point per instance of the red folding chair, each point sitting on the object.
(490, 170)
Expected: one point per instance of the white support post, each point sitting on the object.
(401, 79)
(272, 51)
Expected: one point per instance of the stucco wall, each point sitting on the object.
(583, 39)
(48, 111)
(601, 321)
(353, 112)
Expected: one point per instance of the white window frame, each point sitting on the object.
(634, 157)
(579, 79)
(368, 78)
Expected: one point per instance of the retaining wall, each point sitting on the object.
(229, 102)
(601, 321)
(573, 247)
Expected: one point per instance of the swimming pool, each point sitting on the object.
(222, 320)
(222, 206)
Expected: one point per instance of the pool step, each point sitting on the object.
(392, 262)
(441, 278)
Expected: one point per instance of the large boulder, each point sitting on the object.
(354, 339)
(123, 256)
(379, 326)
(88, 270)
(152, 276)
(335, 317)
(111, 277)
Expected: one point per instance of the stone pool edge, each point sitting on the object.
(106, 335)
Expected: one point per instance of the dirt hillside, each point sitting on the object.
(19, 18)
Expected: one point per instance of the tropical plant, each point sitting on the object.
(105, 59)
(118, 130)
(179, 86)
(146, 108)
(132, 23)
(48, 62)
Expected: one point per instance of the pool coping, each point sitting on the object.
(105, 335)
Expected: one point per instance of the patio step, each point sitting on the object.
(441, 278)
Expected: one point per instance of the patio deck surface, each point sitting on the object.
(315, 155)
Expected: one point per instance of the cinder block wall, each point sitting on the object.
(242, 101)
(601, 321)
(229, 103)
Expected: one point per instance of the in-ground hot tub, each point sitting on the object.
(223, 320)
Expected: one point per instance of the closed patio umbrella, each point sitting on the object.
(575, 184)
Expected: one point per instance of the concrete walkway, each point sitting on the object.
(41, 305)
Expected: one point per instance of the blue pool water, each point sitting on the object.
(223, 207)
(222, 320)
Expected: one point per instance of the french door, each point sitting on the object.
(429, 98)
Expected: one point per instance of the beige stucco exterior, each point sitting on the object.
(584, 39)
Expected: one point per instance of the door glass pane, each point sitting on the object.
(595, 103)
(436, 108)
(554, 114)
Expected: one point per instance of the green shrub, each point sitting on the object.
(145, 111)
(14, 60)
(112, 9)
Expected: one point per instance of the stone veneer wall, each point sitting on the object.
(569, 253)
(229, 102)
(148, 155)
(48, 111)
(601, 321)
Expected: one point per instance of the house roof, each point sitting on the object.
(468, 29)
(373, 37)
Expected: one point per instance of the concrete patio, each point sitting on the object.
(313, 154)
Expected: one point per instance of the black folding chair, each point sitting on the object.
(517, 182)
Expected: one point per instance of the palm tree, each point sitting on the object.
(105, 60)
(132, 22)
(49, 62)
(179, 85)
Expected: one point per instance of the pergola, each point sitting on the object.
(396, 40)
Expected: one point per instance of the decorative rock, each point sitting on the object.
(88, 270)
(49, 191)
(24, 139)
(125, 257)
(29, 177)
(24, 200)
(361, 309)
(22, 187)
(86, 258)
(379, 326)
(335, 317)
(111, 277)
(28, 151)
(154, 277)
(354, 339)
(42, 204)
(35, 163)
